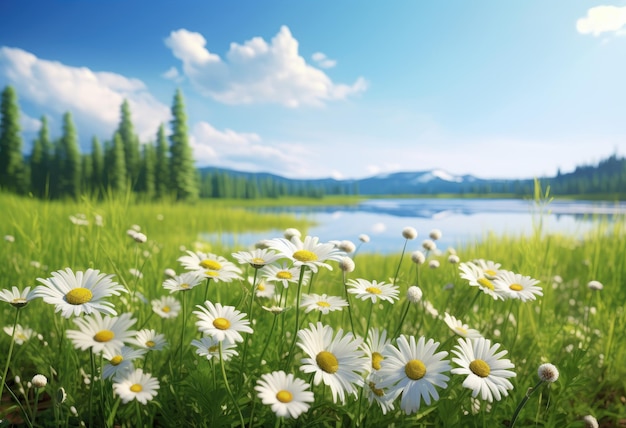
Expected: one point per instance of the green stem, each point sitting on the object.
(36, 404)
(522, 403)
(139, 415)
(230, 392)
(345, 288)
(402, 318)
(268, 340)
(182, 333)
(245, 343)
(6, 366)
(395, 277)
(295, 333)
(91, 385)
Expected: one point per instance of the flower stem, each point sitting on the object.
(395, 277)
(91, 385)
(182, 333)
(230, 392)
(245, 343)
(6, 366)
(297, 322)
(522, 403)
(402, 318)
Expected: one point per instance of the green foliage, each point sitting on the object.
(162, 166)
(13, 172)
(117, 167)
(130, 142)
(182, 168)
(97, 178)
(67, 160)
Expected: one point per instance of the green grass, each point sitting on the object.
(580, 331)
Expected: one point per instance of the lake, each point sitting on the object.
(462, 221)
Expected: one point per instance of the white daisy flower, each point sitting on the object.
(282, 274)
(381, 396)
(256, 258)
(374, 347)
(490, 269)
(322, 303)
(211, 265)
(209, 347)
(487, 374)
(222, 322)
(120, 362)
(413, 370)
(17, 298)
(364, 289)
(338, 362)
(102, 333)
(166, 307)
(459, 328)
(477, 278)
(80, 292)
(136, 385)
(309, 253)
(22, 334)
(518, 286)
(149, 340)
(263, 289)
(291, 232)
(183, 282)
(288, 396)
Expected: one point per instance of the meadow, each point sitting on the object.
(370, 342)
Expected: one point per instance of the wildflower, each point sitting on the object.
(140, 237)
(595, 285)
(373, 290)
(346, 264)
(17, 298)
(136, 385)
(169, 273)
(61, 395)
(102, 333)
(548, 373)
(222, 322)
(9, 238)
(212, 266)
(374, 346)
(428, 307)
(309, 253)
(136, 273)
(264, 289)
(433, 264)
(374, 393)
(477, 278)
(413, 370)
(429, 245)
(291, 232)
(281, 274)
(276, 310)
(489, 268)
(517, 286)
(22, 334)
(459, 328)
(453, 259)
(435, 234)
(257, 258)
(338, 361)
(409, 233)
(590, 422)
(414, 294)
(80, 292)
(418, 257)
(364, 238)
(322, 303)
(39, 381)
(166, 307)
(120, 361)
(347, 246)
(149, 340)
(79, 219)
(183, 282)
(487, 373)
(287, 395)
(209, 347)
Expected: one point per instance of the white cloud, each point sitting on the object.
(603, 19)
(257, 71)
(29, 124)
(173, 74)
(93, 98)
(323, 61)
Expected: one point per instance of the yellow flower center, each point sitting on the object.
(284, 396)
(305, 256)
(184, 286)
(166, 309)
(376, 359)
(327, 362)
(491, 274)
(117, 360)
(221, 323)
(261, 287)
(415, 369)
(460, 330)
(136, 387)
(323, 304)
(104, 336)
(210, 264)
(19, 302)
(211, 273)
(150, 344)
(377, 391)
(516, 287)
(214, 348)
(486, 283)
(257, 261)
(373, 290)
(78, 296)
(480, 368)
(284, 274)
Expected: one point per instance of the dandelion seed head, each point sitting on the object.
(548, 372)
(435, 234)
(364, 238)
(595, 285)
(346, 264)
(409, 233)
(39, 381)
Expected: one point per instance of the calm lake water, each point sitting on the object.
(462, 221)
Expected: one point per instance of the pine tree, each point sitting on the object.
(147, 176)
(97, 166)
(12, 169)
(40, 161)
(184, 182)
(87, 174)
(117, 170)
(130, 143)
(68, 160)
(162, 167)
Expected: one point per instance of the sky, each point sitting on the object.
(343, 89)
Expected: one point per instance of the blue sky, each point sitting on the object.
(345, 89)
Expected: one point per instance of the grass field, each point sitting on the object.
(580, 330)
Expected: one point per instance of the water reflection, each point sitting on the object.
(462, 220)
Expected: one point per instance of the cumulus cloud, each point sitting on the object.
(257, 71)
(245, 151)
(323, 61)
(173, 74)
(93, 98)
(603, 19)
(29, 124)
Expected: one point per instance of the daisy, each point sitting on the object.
(211, 265)
(263, 289)
(486, 372)
(288, 395)
(381, 396)
(183, 282)
(80, 292)
(413, 370)
(136, 385)
(490, 268)
(149, 340)
(309, 253)
(166, 307)
(282, 274)
(257, 258)
(121, 361)
(374, 346)
(338, 361)
(102, 333)
(22, 334)
(322, 303)
(364, 289)
(209, 347)
(459, 328)
(17, 298)
(517, 286)
(477, 278)
(222, 322)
